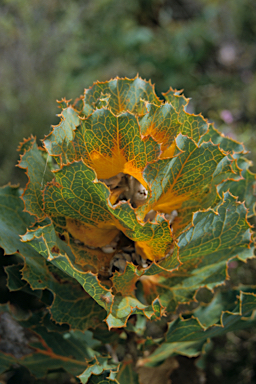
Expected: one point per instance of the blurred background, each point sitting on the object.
(54, 49)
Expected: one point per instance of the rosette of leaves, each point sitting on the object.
(137, 202)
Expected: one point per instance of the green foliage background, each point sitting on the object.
(54, 49)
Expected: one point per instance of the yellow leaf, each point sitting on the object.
(91, 235)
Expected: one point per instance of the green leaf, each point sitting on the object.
(165, 350)
(71, 305)
(194, 126)
(13, 220)
(161, 122)
(39, 174)
(97, 367)
(226, 143)
(192, 330)
(15, 281)
(214, 237)
(119, 95)
(244, 189)
(58, 142)
(74, 194)
(187, 182)
(125, 282)
(177, 100)
(183, 334)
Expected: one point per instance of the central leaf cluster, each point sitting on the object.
(120, 183)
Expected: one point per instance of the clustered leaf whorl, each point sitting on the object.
(131, 187)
